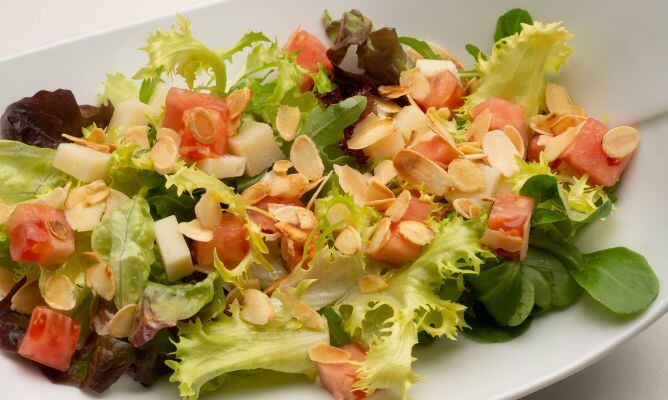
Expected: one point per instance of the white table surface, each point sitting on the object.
(634, 371)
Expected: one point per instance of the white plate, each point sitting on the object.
(618, 68)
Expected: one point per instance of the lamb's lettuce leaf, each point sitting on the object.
(511, 22)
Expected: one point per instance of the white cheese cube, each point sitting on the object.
(430, 68)
(85, 164)
(130, 113)
(173, 248)
(492, 177)
(410, 119)
(386, 147)
(255, 141)
(226, 166)
(159, 96)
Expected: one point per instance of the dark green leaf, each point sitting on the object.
(148, 85)
(337, 336)
(510, 23)
(566, 253)
(326, 126)
(564, 290)
(540, 187)
(420, 46)
(485, 330)
(475, 52)
(166, 202)
(542, 293)
(382, 57)
(244, 182)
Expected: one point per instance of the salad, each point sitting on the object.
(301, 215)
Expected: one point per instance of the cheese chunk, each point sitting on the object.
(159, 96)
(226, 166)
(173, 248)
(431, 68)
(85, 164)
(255, 141)
(410, 119)
(131, 113)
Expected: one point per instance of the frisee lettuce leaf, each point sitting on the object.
(118, 88)
(131, 170)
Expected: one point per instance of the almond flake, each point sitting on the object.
(417, 169)
(137, 135)
(256, 192)
(393, 92)
(557, 99)
(543, 123)
(380, 236)
(97, 135)
(416, 81)
(237, 101)
(257, 309)
(287, 122)
(620, 142)
(103, 148)
(316, 193)
(371, 284)
(57, 229)
(275, 284)
(164, 154)
(475, 157)
(100, 279)
(114, 200)
(558, 144)
(195, 231)
(543, 139)
(444, 113)
(281, 167)
(386, 106)
(480, 126)
(564, 122)
(500, 152)
(466, 175)
(97, 193)
(171, 133)
(27, 298)
(82, 218)
(338, 213)
(284, 213)
(291, 231)
(288, 187)
(469, 149)
(377, 191)
(59, 293)
(306, 159)
(323, 353)
(399, 207)
(466, 208)
(307, 219)
(303, 313)
(366, 134)
(515, 137)
(384, 172)
(415, 232)
(352, 181)
(236, 294)
(440, 130)
(348, 241)
(55, 199)
(502, 240)
(121, 324)
(207, 211)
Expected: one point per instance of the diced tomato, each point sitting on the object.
(417, 210)
(585, 155)
(339, 379)
(397, 251)
(208, 120)
(180, 100)
(504, 113)
(40, 234)
(230, 240)
(311, 53)
(50, 339)
(267, 223)
(444, 91)
(510, 216)
(437, 150)
(533, 153)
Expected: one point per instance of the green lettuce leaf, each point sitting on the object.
(131, 170)
(118, 88)
(125, 239)
(26, 172)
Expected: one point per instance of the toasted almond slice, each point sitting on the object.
(27, 298)
(237, 101)
(57, 229)
(97, 196)
(308, 316)
(323, 353)
(542, 123)
(288, 187)
(115, 199)
(207, 211)
(380, 236)
(84, 218)
(469, 149)
(121, 324)
(364, 135)
(564, 122)
(464, 207)
(236, 294)
(76, 196)
(475, 157)
(351, 181)
(384, 172)
(166, 132)
(371, 284)
(386, 106)
(55, 199)
(97, 135)
(256, 192)
(285, 213)
(500, 152)
(415, 232)
(501, 240)
(558, 144)
(480, 126)
(338, 213)
(275, 284)
(59, 292)
(466, 175)
(620, 142)
(306, 159)
(399, 207)
(543, 139)
(321, 184)
(137, 135)
(100, 279)
(377, 191)
(291, 231)
(557, 99)
(103, 148)
(474, 210)
(287, 122)
(257, 309)
(195, 231)
(444, 113)
(416, 81)
(417, 169)
(164, 154)
(307, 219)
(516, 138)
(281, 167)
(348, 241)
(393, 92)
(440, 130)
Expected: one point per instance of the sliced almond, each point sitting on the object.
(558, 144)
(386, 106)
(620, 142)
(501, 240)
(348, 241)
(557, 99)
(298, 216)
(364, 135)
(59, 293)
(500, 152)
(307, 219)
(208, 212)
(236, 294)
(415, 232)
(316, 193)
(480, 126)
(417, 169)
(380, 236)
(543, 139)
(164, 155)
(257, 309)
(166, 132)
(82, 218)
(543, 123)
(137, 135)
(338, 213)
(384, 172)
(103, 148)
(288, 187)
(303, 313)
(115, 199)
(55, 199)
(57, 229)
(121, 324)
(27, 298)
(195, 231)
(566, 121)
(516, 138)
(323, 353)
(287, 122)
(97, 135)
(291, 231)
(416, 81)
(466, 175)
(100, 279)
(393, 92)
(97, 192)
(76, 196)
(237, 101)
(469, 148)
(399, 207)
(256, 192)
(377, 191)
(306, 159)
(371, 284)
(281, 167)
(466, 208)
(436, 125)
(351, 181)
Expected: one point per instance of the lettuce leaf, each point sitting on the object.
(131, 170)
(389, 321)
(117, 88)
(516, 69)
